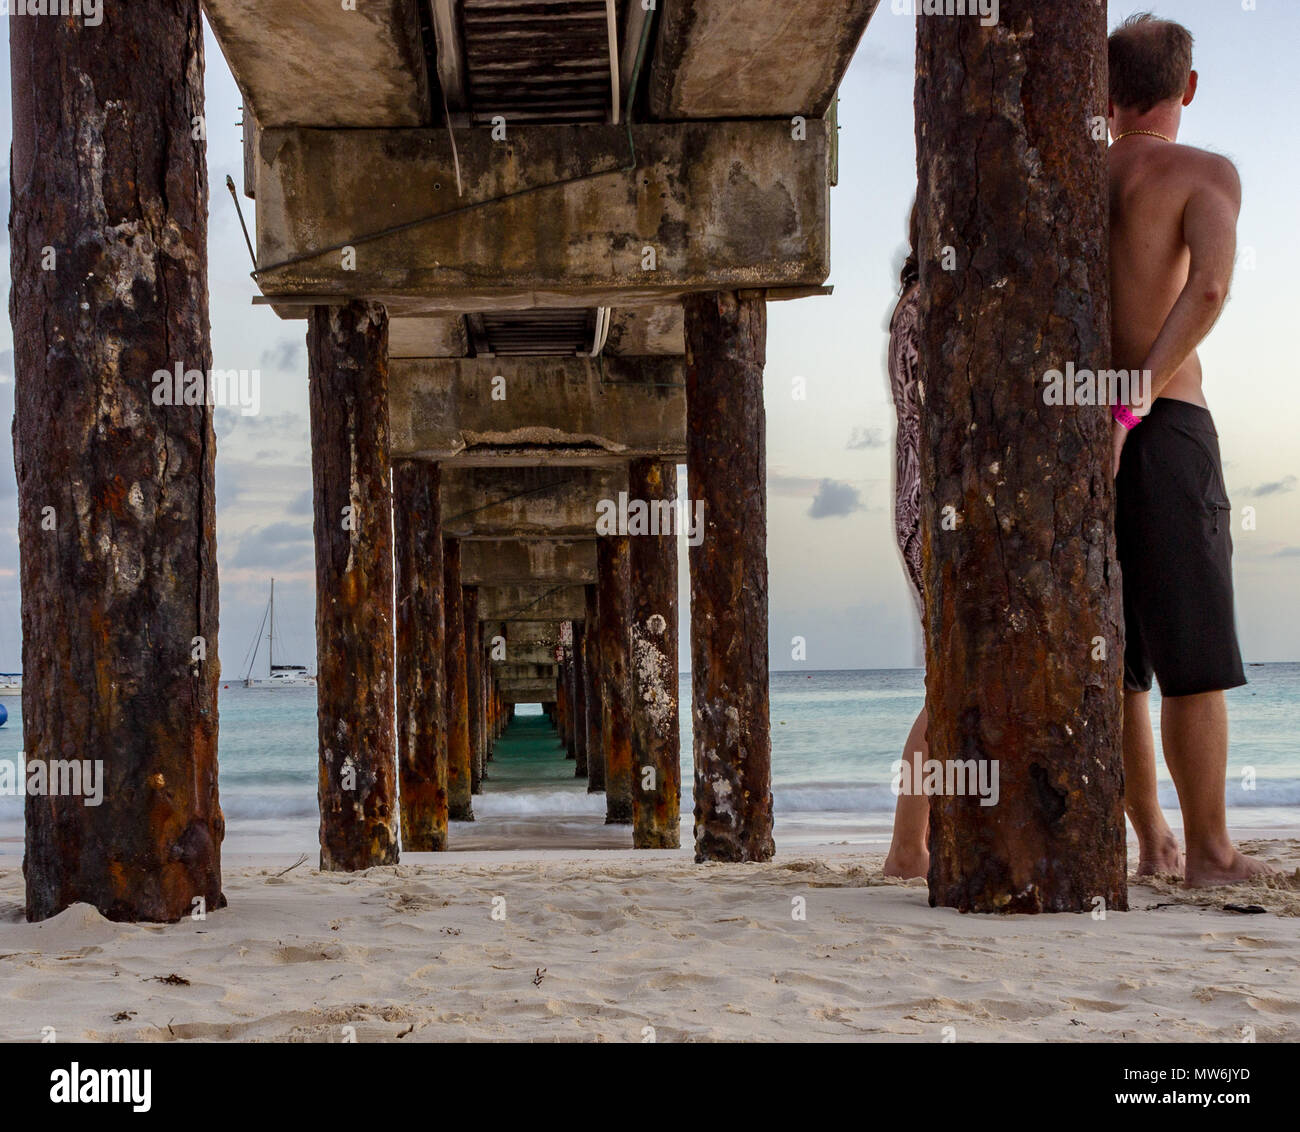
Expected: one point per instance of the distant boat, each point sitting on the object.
(11, 683)
(278, 675)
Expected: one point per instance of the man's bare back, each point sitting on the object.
(1170, 206)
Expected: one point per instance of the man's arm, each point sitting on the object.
(1210, 230)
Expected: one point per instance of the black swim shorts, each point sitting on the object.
(1173, 527)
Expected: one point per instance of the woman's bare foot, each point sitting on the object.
(907, 864)
(1230, 868)
(1160, 858)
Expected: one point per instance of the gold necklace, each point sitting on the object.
(1148, 133)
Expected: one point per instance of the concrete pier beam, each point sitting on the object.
(656, 740)
(725, 355)
(507, 562)
(530, 692)
(615, 629)
(459, 772)
(526, 503)
(115, 492)
(325, 64)
(531, 603)
(724, 203)
(421, 656)
(538, 410)
(709, 64)
(535, 654)
(347, 381)
(507, 670)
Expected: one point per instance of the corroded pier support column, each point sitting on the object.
(115, 493)
(656, 740)
(347, 367)
(567, 635)
(594, 698)
(1021, 582)
(561, 706)
(580, 699)
(613, 612)
(421, 657)
(485, 695)
(726, 461)
(474, 688)
(459, 772)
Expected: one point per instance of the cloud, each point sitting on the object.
(289, 354)
(1279, 487)
(302, 504)
(834, 500)
(277, 546)
(866, 438)
(799, 487)
(1288, 552)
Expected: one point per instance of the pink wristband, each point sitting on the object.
(1124, 415)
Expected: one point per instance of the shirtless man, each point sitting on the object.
(1173, 215)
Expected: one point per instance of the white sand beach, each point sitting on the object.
(600, 946)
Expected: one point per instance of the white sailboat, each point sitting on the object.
(278, 675)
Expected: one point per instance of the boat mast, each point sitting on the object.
(270, 637)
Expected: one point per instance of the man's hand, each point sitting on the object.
(1118, 434)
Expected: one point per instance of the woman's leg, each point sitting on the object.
(909, 854)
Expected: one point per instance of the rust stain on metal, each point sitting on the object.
(113, 597)
(1020, 590)
(656, 743)
(595, 696)
(726, 457)
(474, 689)
(421, 657)
(613, 613)
(580, 678)
(347, 351)
(459, 776)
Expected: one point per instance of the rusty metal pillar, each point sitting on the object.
(561, 721)
(421, 656)
(485, 705)
(656, 741)
(1017, 495)
(726, 461)
(108, 255)
(566, 687)
(474, 689)
(460, 806)
(594, 698)
(613, 616)
(580, 699)
(347, 367)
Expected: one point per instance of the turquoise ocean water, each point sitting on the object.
(834, 738)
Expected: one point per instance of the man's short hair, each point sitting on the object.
(1150, 62)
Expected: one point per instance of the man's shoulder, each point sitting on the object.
(1207, 167)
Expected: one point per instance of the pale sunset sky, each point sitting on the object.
(836, 579)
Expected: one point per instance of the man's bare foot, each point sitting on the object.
(907, 864)
(1160, 858)
(1205, 872)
